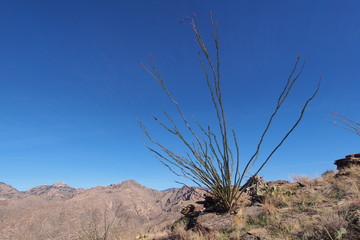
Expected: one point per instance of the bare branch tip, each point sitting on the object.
(185, 19)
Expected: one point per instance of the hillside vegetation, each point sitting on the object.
(323, 208)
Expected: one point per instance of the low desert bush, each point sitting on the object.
(332, 226)
(179, 232)
(328, 173)
(276, 197)
(258, 221)
(96, 224)
(299, 178)
(280, 227)
(343, 185)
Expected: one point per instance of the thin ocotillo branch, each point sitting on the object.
(346, 123)
(210, 161)
(288, 86)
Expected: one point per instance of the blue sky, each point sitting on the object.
(72, 88)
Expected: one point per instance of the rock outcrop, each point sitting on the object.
(347, 162)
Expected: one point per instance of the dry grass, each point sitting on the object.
(322, 208)
(300, 178)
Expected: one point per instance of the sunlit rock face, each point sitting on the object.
(349, 161)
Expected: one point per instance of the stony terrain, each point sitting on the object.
(323, 208)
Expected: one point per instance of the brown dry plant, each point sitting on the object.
(95, 225)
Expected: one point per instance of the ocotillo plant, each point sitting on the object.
(212, 160)
(346, 123)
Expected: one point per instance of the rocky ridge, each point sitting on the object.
(131, 207)
(9, 192)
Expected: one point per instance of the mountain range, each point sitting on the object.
(59, 211)
(327, 207)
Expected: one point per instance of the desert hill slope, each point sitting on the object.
(327, 207)
(61, 212)
(9, 192)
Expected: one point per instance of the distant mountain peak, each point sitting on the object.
(8, 191)
(60, 184)
(58, 190)
(130, 182)
(126, 183)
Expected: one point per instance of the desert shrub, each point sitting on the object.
(328, 173)
(95, 225)
(280, 227)
(351, 213)
(299, 178)
(179, 232)
(276, 197)
(340, 187)
(179, 223)
(307, 202)
(258, 221)
(212, 159)
(331, 226)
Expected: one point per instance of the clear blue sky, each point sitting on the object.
(71, 84)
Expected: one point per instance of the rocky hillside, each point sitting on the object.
(8, 192)
(62, 212)
(327, 207)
